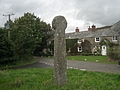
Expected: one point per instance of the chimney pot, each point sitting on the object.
(93, 27)
(89, 29)
(77, 29)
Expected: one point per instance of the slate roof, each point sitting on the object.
(116, 27)
(113, 30)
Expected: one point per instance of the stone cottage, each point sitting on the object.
(89, 40)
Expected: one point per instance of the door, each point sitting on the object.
(104, 50)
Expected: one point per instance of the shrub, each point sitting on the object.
(6, 48)
(113, 55)
(113, 52)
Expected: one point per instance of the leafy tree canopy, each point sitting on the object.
(27, 33)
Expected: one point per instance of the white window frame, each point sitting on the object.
(114, 38)
(97, 39)
(79, 48)
(79, 41)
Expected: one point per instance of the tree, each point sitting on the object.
(7, 48)
(27, 33)
(46, 33)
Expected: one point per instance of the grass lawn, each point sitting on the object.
(42, 79)
(101, 59)
(19, 63)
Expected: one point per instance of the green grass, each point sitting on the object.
(18, 63)
(42, 79)
(102, 59)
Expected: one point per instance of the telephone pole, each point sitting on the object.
(8, 24)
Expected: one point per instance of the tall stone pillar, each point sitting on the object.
(59, 25)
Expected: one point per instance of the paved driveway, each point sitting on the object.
(34, 65)
(81, 65)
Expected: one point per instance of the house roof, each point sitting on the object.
(113, 30)
(105, 31)
(116, 27)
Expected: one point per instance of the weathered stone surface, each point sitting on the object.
(59, 25)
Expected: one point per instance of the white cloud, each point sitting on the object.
(78, 13)
(104, 12)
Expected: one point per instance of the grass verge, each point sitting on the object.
(42, 79)
(101, 59)
(18, 63)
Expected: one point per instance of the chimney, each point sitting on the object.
(77, 30)
(89, 29)
(93, 27)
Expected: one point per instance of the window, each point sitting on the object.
(69, 37)
(97, 39)
(114, 38)
(79, 41)
(80, 49)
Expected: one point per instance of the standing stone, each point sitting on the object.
(59, 25)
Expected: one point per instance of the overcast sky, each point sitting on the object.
(78, 13)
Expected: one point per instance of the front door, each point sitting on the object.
(104, 50)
